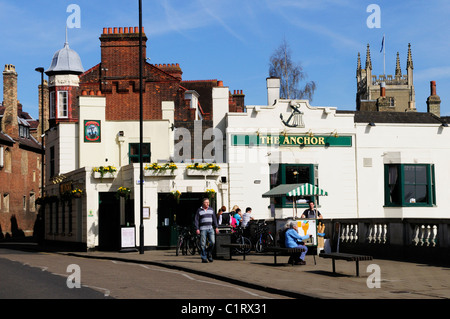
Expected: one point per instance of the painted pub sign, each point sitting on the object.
(92, 131)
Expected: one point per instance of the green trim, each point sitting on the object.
(430, 186)
(145, 157)
(291, 140)
(282, 169)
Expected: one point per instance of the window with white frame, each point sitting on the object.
(63, 104)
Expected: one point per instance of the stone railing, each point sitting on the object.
(389, 80)
(403, 238)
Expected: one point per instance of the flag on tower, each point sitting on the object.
(382, 44)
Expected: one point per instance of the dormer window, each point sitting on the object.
(24, 131)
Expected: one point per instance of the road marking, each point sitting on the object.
(204, 281)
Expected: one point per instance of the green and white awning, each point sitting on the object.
(295, 190)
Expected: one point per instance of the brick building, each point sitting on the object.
(117, 77)
(20, 168)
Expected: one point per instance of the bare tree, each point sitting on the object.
(290, 74)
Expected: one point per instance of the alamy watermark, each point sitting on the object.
(74, 19)
(374, 19)
(74, 279)
(374, 279)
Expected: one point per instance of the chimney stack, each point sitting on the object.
(10, 124)
(434, 101)
(273, 90)
(383, 89)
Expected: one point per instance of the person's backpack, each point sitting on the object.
(226, 219)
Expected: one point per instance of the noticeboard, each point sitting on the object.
(128, 237)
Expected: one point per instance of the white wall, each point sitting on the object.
(336, 165)
(401, 144)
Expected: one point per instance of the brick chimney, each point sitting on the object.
(434, 101)
(383, 101)
(10, 125)
(120, 51)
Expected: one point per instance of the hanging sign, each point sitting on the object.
(92, 131)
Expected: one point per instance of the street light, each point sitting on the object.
(41, 122)
(141, 165)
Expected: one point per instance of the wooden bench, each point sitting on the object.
(242, 247)
(283, 250)
(347, 257)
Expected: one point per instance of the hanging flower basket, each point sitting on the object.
(77, 192)
(176, 195)
(123, 192)
(211, 194)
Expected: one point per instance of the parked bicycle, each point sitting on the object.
(187, 242)
(263, 237)
(239, 238)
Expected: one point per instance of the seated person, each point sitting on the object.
(294, 240)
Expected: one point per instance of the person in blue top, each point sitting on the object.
(238, 216)
(294, 240)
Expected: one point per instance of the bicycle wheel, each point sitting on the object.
(259, 246)
(243, 241)
(179, 245)
(192, 245)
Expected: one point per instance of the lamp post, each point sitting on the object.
(41, 122)
(141, 165)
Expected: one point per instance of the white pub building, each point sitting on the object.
(372, 164)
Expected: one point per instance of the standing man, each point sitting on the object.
(205, 223)
(311, 212)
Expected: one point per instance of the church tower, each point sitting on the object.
(385, 92)
(63, 81)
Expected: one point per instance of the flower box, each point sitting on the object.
(158, 173)
(105, 175)
(197, 172)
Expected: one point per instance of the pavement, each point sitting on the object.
(378, 279)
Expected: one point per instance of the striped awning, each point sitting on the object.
(307, 190)
(295, 190)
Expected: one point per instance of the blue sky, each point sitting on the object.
(233, 40)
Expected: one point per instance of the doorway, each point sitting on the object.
(109, 221)
(172, 214)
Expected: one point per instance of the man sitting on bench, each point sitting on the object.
(294, 240)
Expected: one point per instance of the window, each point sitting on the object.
(409, 185)
(32, 203)
(292, 174)
(24, 131)
(391, 101)
(63, 104)
(6, 203)
(133, 153)
(52, 105)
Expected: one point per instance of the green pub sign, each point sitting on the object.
(291, 140)
(92, 131)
